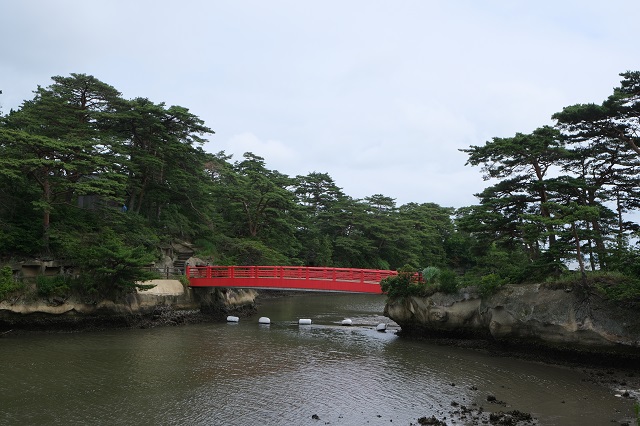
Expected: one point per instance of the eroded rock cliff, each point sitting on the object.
(168, 302)
(529, 314)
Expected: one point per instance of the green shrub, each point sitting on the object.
(184, 281)
(404, 284)
(616, 286)
(430, 274)
(7, 283)
(207, 248)
(448, 281)
(490, 284)
(409, 283)
(49, 286)
(108, 265)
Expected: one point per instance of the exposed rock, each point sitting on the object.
(529, 314)
(167, 303)
(431, 421)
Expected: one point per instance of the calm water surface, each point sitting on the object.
(281, 374)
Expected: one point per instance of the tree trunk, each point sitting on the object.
(583, 273)
(601, 249)
(544, 210)
(46, 216)
(620, 236)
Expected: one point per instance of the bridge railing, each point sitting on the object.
(372, 276)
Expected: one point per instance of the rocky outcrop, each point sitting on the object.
(528, 314)
(167, 302)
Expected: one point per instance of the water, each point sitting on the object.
(281, 374)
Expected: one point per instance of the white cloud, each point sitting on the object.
(381, 95)
(276, 154)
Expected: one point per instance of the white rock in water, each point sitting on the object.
(264, 320)
(381, 327)
(231, 318)
(304, 321)
(347, 322)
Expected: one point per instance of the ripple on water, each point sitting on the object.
(282, 374)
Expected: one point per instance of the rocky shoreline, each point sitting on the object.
(549, 326)
(622, 380)
(608, 371)
(159, 317)
(525, 318)
(155, 308)
(462, 412)
(168, 303)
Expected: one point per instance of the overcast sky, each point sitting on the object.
(380, 95)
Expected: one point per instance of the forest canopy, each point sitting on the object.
(91, 177)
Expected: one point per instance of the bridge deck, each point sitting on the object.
(346, 280)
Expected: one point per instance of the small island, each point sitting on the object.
(103, 196)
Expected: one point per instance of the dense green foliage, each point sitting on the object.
(564, 196)
(7, 283)
(53, 286)
(406, 283)
(410, 282)
(101, 182)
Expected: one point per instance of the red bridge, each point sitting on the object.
(344, 280)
